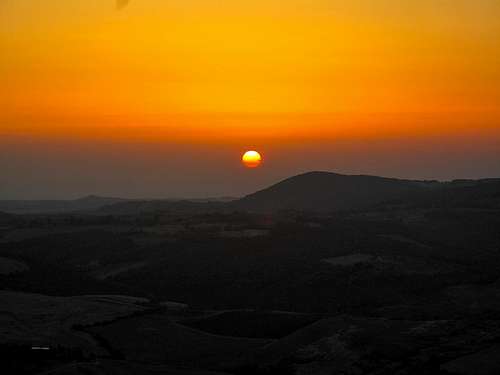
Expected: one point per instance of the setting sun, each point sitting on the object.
(251, 159)
(270, 164)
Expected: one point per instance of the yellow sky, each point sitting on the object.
(207, 70)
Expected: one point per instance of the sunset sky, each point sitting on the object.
(161, 97)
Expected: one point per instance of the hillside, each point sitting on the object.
(325, 191)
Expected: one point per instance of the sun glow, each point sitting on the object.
(223, 72)
(251, 159)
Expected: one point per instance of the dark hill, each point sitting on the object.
(325, 191)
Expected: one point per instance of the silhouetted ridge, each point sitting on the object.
(326, 191)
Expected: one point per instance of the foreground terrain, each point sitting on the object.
(395, 286)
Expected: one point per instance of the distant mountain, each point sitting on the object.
(88, 203)
(325, 191)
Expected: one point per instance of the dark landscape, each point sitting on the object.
(319, 274)
(250, 187)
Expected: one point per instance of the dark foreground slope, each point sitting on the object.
(325, 191)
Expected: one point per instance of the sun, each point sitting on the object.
(251, 159)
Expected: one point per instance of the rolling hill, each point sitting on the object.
(325, 191)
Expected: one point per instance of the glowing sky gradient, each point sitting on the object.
(402, 88)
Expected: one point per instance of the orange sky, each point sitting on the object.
(250, 73)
